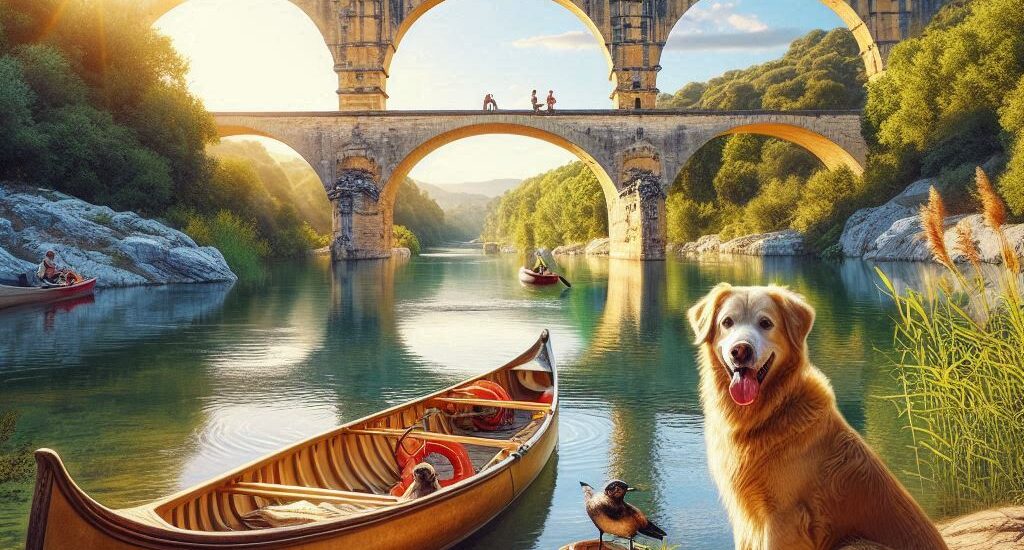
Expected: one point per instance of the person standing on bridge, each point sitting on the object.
(489, 103)
(551, 101)
(535, 102)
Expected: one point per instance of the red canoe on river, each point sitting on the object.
(534, 278)
(18, 295)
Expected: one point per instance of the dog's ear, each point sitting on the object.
(797, 313)
(702, 314)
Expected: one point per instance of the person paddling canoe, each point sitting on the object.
(540, 266)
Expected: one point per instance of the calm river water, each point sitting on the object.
(144, 391)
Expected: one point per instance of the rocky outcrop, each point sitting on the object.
(776, 243)
(120, 248)
(596, 247)
(892, 231)
(867, 224)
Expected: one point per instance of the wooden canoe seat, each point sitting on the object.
(297, 492)
(433, 436)
(521, 405)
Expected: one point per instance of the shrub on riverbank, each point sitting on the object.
(406, 239)
(961, 366)
(236, 238)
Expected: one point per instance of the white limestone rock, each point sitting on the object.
(776, 243)
(120, 248)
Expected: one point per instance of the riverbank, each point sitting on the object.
(119, 248)
(890, 232)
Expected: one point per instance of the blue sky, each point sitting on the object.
(266, 55)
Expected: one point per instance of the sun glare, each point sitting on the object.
(258, 55)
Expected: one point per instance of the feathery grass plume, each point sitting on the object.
(965, 243)
(1010, 256)
(992, 203)
(932, 216)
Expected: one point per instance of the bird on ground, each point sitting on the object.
(613, 515)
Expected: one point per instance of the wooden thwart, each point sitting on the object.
(297, 492)
(521, 405)
(432, 436)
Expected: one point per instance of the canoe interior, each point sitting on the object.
(355, 466)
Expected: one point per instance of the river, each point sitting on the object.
(144, 391)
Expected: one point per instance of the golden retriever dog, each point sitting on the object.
(792, 473)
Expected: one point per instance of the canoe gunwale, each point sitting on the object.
(143, 526)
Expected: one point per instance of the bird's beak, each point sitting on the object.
(631, 488)
(583, 484)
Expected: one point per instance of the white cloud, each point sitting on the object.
(719, 26)
(760, 40)
(572, 40)
(747, 23)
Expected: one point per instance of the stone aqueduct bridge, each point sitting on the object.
(361, 157)
(363, 36)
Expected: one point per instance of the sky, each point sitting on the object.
(266, 55)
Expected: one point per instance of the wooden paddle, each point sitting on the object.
(560, 278)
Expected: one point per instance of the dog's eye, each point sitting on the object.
(727, 322)
(766, 323)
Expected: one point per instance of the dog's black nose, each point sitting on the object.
(742, 353)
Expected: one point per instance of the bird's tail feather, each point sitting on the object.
(653, 531)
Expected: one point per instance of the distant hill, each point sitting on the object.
(464, 211)
(490, 188)
(448, 199)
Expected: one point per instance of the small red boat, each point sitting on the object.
(533, 278)
(18, 295)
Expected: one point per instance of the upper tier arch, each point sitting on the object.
(363, 36)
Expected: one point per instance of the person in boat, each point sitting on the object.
(535, 102)
(540, 266)
(48, 271)
(551, 101)
(489, 103)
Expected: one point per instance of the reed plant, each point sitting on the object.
(959, 345)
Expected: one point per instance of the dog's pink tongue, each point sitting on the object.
(743, 388)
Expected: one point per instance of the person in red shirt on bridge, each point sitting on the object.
(551, 101)
(489, 103)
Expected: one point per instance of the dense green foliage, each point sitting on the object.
(406, 239)
(821, 70)
(562, 206)
(94, 103)
(749, 184)
(951, 99)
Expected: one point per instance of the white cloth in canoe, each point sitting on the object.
(297, 513)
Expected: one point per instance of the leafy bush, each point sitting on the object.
(827, 199)
(406, 239)
(687, 219)
(237, 239)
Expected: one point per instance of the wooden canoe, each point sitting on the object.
(533, 278)
(352, 465)
(19, 295)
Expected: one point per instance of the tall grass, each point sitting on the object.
(960, 364)
(237, 239)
